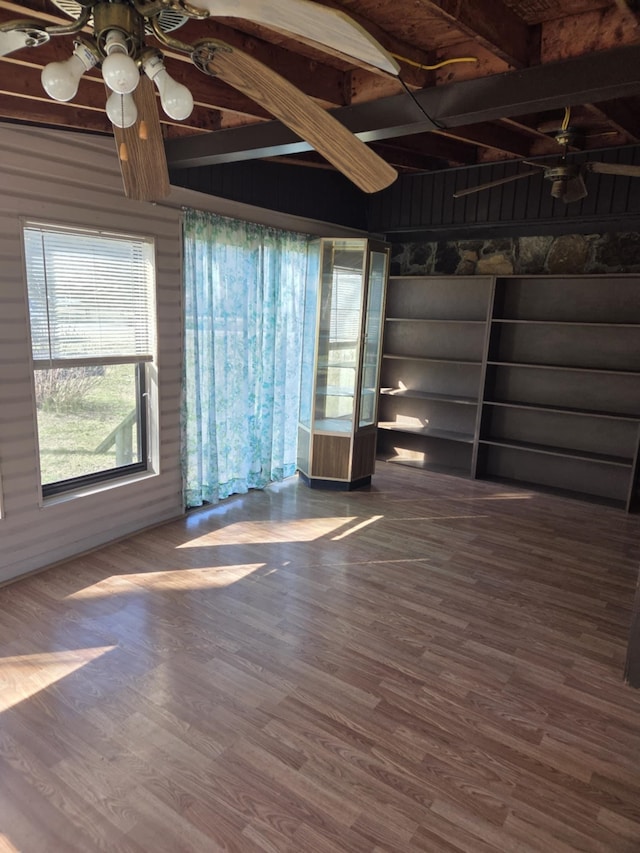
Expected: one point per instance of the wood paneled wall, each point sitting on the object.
(74, 179)
(423, 205)
(319, 194)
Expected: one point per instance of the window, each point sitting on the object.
(91, 306)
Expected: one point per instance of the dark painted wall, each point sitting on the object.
(315, 193)
(422, 206)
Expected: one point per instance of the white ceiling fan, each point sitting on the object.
(112, 35)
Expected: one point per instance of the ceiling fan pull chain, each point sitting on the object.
(124, 154)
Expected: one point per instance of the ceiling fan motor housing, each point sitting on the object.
(122, 17)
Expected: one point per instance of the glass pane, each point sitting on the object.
(308, 334)
(339, 335)
(372, 338)
(87, 420)
(90, 296)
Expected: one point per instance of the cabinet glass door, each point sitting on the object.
(372, 338)
(339, 335)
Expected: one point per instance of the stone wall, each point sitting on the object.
(569, 253)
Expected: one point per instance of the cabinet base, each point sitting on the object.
(335, 485)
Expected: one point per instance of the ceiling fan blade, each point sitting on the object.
(301, 114)
(613, 169)
(15, 35)
(310, 22)
(575, 190)
(144, 173)
(497, 183)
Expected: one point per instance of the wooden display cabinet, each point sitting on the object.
(343, 319)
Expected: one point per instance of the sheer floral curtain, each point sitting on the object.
(244, 298)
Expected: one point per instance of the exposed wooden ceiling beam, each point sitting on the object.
(591, 78)
(408, 160)
(587, 32)
(500, 139)
(622, 115)
(490, 22)
(57, 115)
(436, 146)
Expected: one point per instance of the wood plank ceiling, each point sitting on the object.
(504, 38)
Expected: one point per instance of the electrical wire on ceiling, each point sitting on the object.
(434, 67)
(437, 65)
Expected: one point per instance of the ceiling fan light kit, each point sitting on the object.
(111, 34)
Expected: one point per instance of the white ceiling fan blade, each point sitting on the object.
(22, 34)
(299, 112)
(309, 22)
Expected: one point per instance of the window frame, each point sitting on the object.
(141, 364)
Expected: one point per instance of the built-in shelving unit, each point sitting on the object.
(434, 351)
(532, 380)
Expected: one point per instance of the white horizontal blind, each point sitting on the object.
(346, 297)
(91, 296)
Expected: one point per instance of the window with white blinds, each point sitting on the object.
(91, 296)
(92, 316)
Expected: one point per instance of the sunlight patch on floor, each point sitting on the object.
(179, 580)
(259, 532)
(357, 527)
(21, 676)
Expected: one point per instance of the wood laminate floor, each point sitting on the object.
(431, 664)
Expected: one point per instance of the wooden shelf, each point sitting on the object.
(435, 360)
(434, 467)
(601, 458)
(572, 494)
(427, 320)
(567, 323)
(539, 366)
(428, 432)
(565, 410)
(427, 395)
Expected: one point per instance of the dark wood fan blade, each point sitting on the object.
(613, 169)
(144, 173)
(295, 109)
(575, 190)
(497, 183)
(332, 30)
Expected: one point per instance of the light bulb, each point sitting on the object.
(176, 99)
(60, 80)
(119, 71)
(121, 110)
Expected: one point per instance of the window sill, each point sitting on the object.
(96, 488)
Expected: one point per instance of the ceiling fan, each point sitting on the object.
(567, 178)
(111, 35)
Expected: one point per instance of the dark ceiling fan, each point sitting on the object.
(567, 179)
(112, 35)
